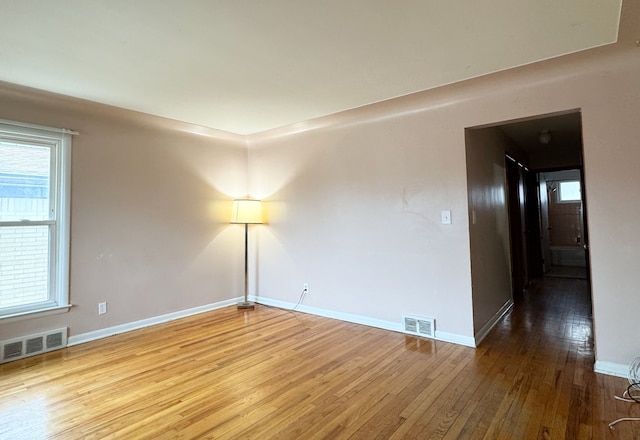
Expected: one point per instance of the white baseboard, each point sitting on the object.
(455, 339)
(484, 331)
(123, 328)
(611, 369)
(357, 319)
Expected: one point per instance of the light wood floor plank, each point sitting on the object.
(275, 374)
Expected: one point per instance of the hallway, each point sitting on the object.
(550, 336)
(554, 307)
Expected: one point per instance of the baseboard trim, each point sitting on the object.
(484, 331)
(347, 317)
(455, 338)
(136, 325)
(358, 319)
(611, 369)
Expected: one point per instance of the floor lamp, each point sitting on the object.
(246, 211)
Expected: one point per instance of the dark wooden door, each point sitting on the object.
(517, 229)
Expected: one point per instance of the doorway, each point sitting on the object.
(546, 198)
(562, 228)
(526, 161)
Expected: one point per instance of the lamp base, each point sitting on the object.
(246, 305)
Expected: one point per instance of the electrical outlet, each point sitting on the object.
(305, 287)
(102, 308)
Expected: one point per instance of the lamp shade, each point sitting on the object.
(246, 211)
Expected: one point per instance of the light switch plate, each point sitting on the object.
(446, 217)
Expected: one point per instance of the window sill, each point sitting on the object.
(35, 314)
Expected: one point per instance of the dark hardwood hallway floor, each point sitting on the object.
(274, 374)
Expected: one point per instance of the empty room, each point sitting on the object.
(319, 220)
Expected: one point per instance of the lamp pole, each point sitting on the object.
(246, 211)
(246, 304)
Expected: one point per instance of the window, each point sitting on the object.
(570, 191)
(34, 218)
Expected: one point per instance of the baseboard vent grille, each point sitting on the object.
(19, 348)
(419, 326)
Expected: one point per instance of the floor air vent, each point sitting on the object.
(19, 348)
(419, 326)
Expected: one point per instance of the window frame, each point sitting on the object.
(58, 222)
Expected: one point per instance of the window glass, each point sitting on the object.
(25, 174)
(24, 265)
(570, 191)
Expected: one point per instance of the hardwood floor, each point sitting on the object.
(274, 374)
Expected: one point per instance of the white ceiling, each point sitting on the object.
(246, 66)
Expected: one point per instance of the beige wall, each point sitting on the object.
(355, 212)
(149, 214)
(355, 198)
(488, 226)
